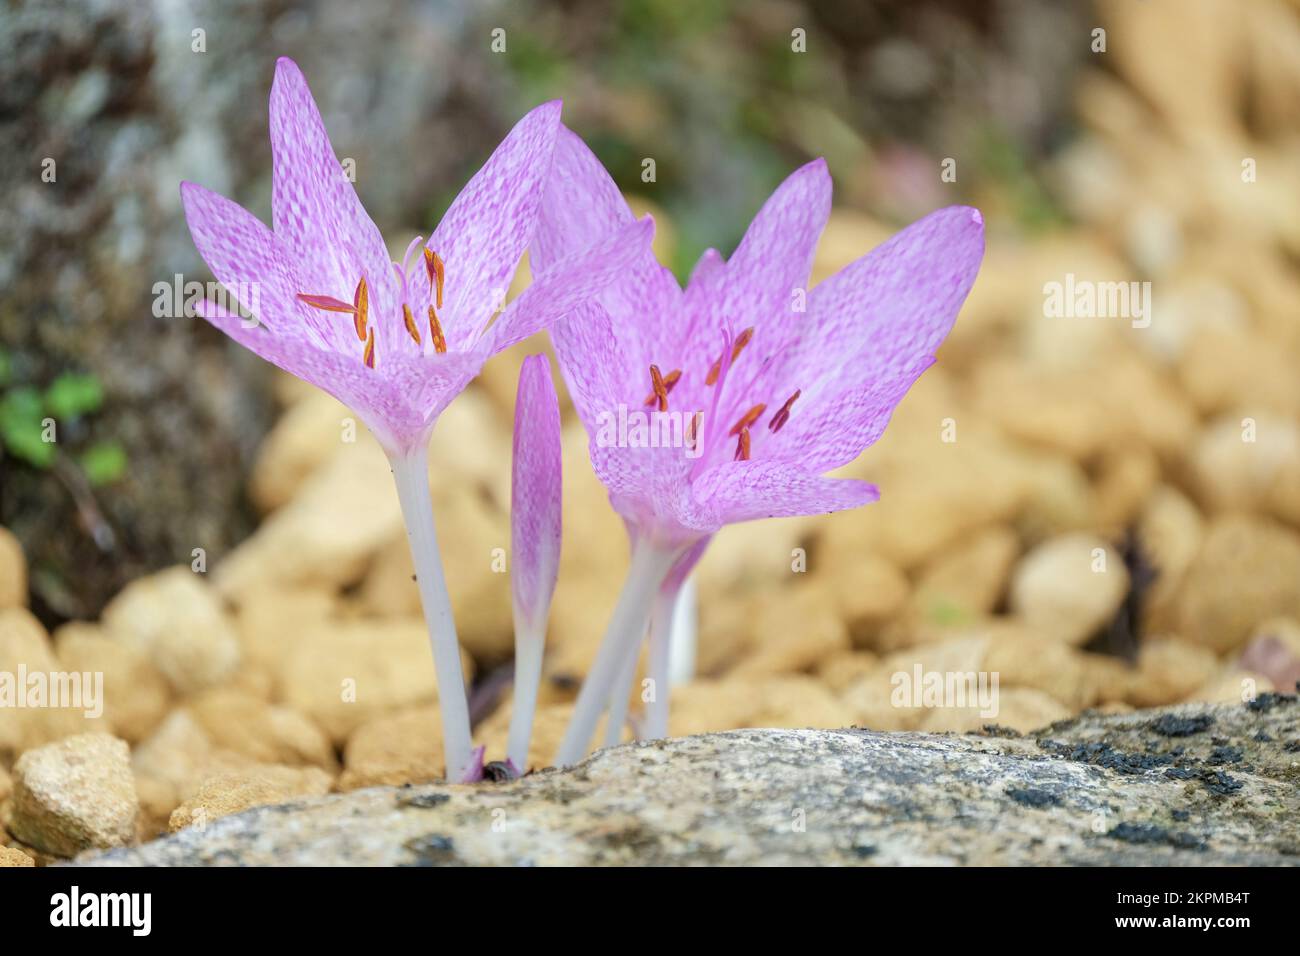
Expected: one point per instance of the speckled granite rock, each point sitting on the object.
(1186, 785)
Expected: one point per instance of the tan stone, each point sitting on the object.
(1058, 499)
(1231, 685)
(1069, 587)
(75, 794)
(176, 758)
(272, 621)
(327, 534)
(10, 857)
(707, 705)
(725, 633)
(955, 591)
(796, 700)
(1245, 572)
(308, 433)
(24, 643)
(179, 624)
(936, 492)
(396, 749)
(1023, 658)
(579, 616)
(1168, 670)
(880, 700)
(136, 695)
(842, 669)
(354, 671)
(1107, 681)
(1019, 708)
(1059, 407)
(266, 733)
(867, 592)
(1228, 366)
(1126, 477)
(1248, 464)
(475, 539)
(793, 630)
(13, 571)
(1170, 530)
(232, 792)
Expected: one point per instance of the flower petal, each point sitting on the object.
(251, 262)
(745, 490)
(775, 256)
(871, 329)
(581, 207)
(487, 227)
(399, 400)
(314, 206)
(535, 492)
(570, 283)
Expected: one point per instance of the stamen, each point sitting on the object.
(409, 319)
(326, 303)
(783, 413)
(747, 419)
(669, 380)
(742, 446)
(361, 306)
(741, 341)
(368, 356)
(437, 270)
(692, 430)
(660, 392)
(435, 332)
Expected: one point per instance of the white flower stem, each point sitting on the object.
(411, 472)
(626, 628)
(661, 638)
(685, 628)
(530, 644)
(618, 699)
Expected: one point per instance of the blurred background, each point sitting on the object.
(1115, 142)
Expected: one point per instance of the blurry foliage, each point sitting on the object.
(71, 397)
(714, 93)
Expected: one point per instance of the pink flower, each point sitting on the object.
(396, 342)
(535, 498)
(761, 384)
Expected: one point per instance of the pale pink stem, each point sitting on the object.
(411, 472)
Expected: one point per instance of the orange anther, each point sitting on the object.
(433, 264)
(435, 330)
(361, 307)
(742, 446)
(747, 419)
(369, 355)
(409, 319)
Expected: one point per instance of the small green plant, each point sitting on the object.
(29, 418)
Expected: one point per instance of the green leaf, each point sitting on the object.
(21, 427)
(6, 367)
(104, 462)
(73, 394)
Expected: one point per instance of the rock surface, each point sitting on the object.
(1187, 785)
(73, 795)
